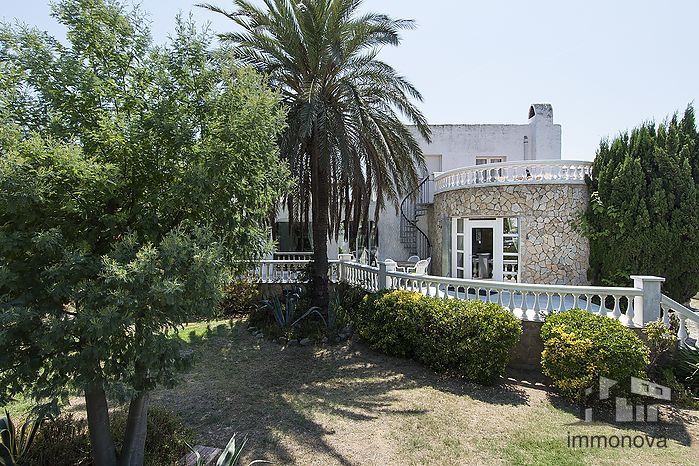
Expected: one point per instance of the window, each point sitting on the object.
(494, 159)
(294, 238)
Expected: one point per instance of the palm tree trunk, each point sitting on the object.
(102, 445)
(320, 197)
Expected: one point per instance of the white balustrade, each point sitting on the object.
(286, 271)
(293, 256)
(687, 321)
(522, 172)
(526, 301)
(362, 275)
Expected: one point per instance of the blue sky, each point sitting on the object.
(604, 65)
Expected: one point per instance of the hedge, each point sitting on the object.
(471, 339)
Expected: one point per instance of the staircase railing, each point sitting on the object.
(688, 321)
(410, 233)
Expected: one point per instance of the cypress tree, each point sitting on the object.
(643, 216)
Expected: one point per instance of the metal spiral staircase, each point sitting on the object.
(413, 206)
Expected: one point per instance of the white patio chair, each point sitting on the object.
(414, 259)
(420, 267)
(396, 267)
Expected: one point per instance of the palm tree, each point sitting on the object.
(345, 142)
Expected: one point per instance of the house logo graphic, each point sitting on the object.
(629, 412)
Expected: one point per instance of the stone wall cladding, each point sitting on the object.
(552, 250)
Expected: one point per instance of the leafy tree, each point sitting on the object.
(643, 216)
(344, 141)
(132, 177)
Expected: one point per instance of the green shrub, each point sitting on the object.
(580, 346)
(166, 439)
(686, 368)
(682, 394)
(240, 297)
(388, 322)
(349, 300)
(470, 339)
(662, 341)
(64, 440)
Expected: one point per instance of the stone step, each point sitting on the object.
(209, 456)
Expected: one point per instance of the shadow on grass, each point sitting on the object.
(240, 384)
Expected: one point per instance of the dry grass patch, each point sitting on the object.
(349, 405)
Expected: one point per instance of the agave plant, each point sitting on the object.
(230, 456)
(333, 310)
(688, 367)
(14, 443)
(284, 313)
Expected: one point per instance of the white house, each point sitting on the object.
(496, 202)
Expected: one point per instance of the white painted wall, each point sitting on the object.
(459, 145)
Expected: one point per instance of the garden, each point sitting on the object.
(419, 380)
(137, 186)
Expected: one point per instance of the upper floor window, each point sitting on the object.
(493, 159)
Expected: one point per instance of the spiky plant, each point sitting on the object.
(14, 443)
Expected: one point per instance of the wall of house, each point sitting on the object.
(460, 145)
(552, 250)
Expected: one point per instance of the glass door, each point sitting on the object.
(478, 249)
(461, 257)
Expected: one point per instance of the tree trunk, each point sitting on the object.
(102, 445)
(320, 194)
(132, 453)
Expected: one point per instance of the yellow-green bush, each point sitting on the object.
(470, 339)
(388, 322)
(579, 347)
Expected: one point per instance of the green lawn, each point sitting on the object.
(349, 405)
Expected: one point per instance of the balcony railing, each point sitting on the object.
(293, 255)
(508, 173)
(285, 271)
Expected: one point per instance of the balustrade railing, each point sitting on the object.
(362, 275)
(294, 256)
(286, 271)
(687, 321)
(524, 172)
(528, 302)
